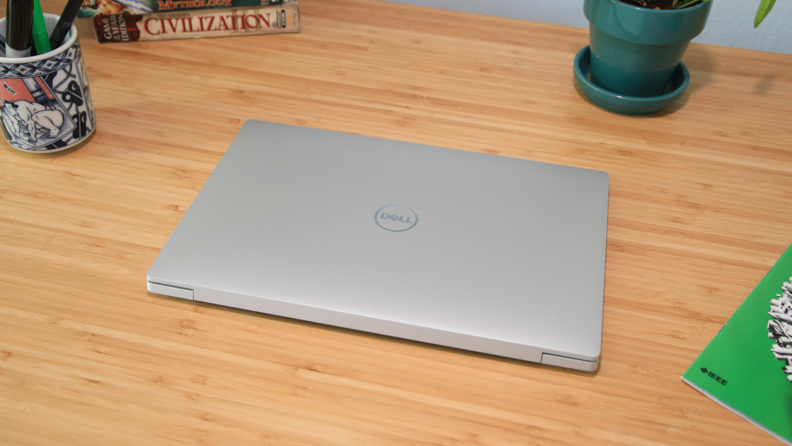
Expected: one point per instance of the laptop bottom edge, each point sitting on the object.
(379, 326)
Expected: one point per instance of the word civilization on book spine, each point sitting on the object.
(222, 22)
(197, 23)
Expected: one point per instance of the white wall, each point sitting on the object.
(730, 23)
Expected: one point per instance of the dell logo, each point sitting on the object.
(396, 217)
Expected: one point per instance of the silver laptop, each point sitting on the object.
(479, 252)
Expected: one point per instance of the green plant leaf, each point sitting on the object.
(764, 9)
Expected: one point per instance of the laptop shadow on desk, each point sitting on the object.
(378, 337)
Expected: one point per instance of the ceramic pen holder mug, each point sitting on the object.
(46, 103)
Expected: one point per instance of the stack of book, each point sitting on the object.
(139, 20)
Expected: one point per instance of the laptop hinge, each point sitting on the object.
(170, 290)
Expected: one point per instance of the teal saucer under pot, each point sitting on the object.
(629, 105)
(634, 50)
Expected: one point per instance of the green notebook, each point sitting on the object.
(747, 367)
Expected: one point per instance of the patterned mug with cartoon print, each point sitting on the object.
(45, 101)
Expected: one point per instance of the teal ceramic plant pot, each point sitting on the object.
(634, 51)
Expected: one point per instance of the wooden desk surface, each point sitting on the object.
(700, 208)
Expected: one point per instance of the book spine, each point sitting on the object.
(199, 23)
(90, 8)
(173, 5)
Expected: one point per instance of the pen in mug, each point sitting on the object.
(64, 23)
(40, 36)
(19, 21)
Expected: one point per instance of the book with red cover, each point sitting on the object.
(197, 23)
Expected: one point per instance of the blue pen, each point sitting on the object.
(19, 22)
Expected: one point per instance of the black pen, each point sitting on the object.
(19, 22)
(64, 23)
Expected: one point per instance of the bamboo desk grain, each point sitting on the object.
(700, 208)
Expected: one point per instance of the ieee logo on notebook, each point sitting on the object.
(396, 217)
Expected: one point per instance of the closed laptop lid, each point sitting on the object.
(398, 234)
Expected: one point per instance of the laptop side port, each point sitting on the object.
(170, 290)
(569, 363)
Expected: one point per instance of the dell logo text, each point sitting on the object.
(396, 217)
